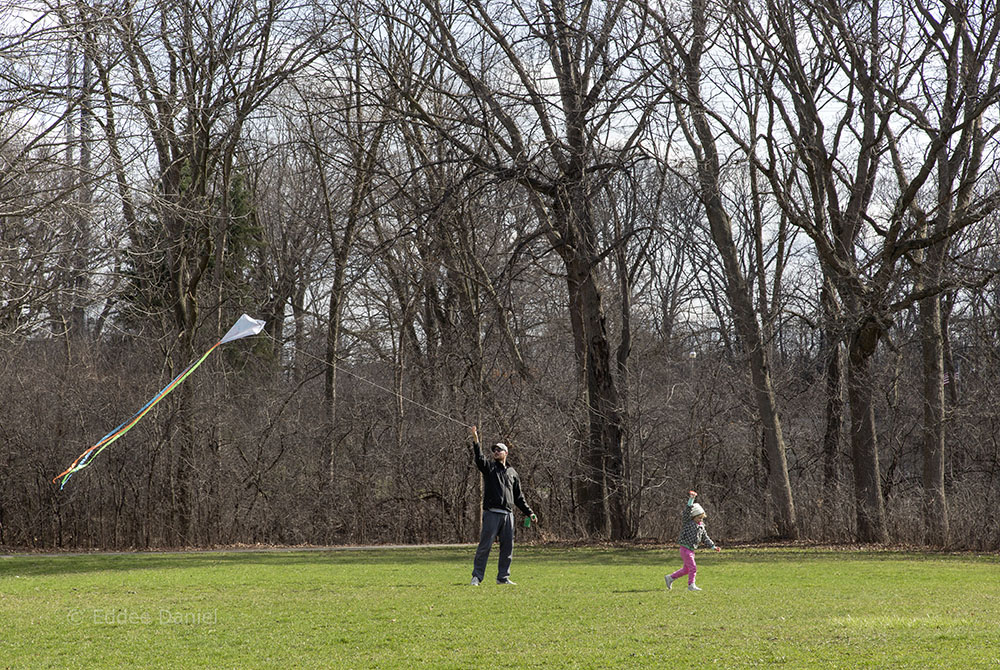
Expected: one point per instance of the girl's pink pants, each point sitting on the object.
(689, 568)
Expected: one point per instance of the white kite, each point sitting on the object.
(244, 327)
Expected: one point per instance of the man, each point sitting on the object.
(501, 491)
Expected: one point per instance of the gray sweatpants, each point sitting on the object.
(495, 524)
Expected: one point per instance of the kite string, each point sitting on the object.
(244, 327)
(84, 459)
(393, 392)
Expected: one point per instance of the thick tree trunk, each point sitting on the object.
(864, 447)
(834, 392)
(182, 290)
(935, 502)
(935, 508)
(603, 489)
(601, 486)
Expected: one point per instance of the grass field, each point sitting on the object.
(572, 608)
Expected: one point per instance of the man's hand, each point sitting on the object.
(473, 435)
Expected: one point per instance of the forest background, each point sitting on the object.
(746, 247)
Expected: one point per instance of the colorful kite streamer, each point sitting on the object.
(245, 327)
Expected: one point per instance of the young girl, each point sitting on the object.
(693, 533)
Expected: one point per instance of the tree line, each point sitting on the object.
(747, 247)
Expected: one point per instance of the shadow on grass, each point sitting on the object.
(49, 565)
(41, 566)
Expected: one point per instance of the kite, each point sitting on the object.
(245, 327)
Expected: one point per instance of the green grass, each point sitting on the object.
(572, 608)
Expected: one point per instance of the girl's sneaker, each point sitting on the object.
(670, 581)
(693, 587)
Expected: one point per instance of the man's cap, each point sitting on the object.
(500, 445)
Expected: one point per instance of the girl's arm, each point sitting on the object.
(690, 503)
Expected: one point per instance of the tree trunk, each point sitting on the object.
(738, 293)
(935, 507)
(184, 485)
(952, 380)
(834, 391)
(334, 316)
(737, 290)
(864, 448)
(935, 503)
(632, 510)
(603, 487)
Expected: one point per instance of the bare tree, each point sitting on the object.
(545, 84)
(686, 45)
(46, 175)
(194, 75)
(836, 82)
(956, 113)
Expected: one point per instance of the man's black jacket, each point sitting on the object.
(501, 485)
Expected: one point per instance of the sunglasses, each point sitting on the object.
(496, 449)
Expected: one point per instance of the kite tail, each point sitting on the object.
(84, 459)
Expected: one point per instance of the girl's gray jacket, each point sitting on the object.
(693, 534)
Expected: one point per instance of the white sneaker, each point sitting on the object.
(692, 587)
(670, 581)
(506, 581)
(474, 582)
